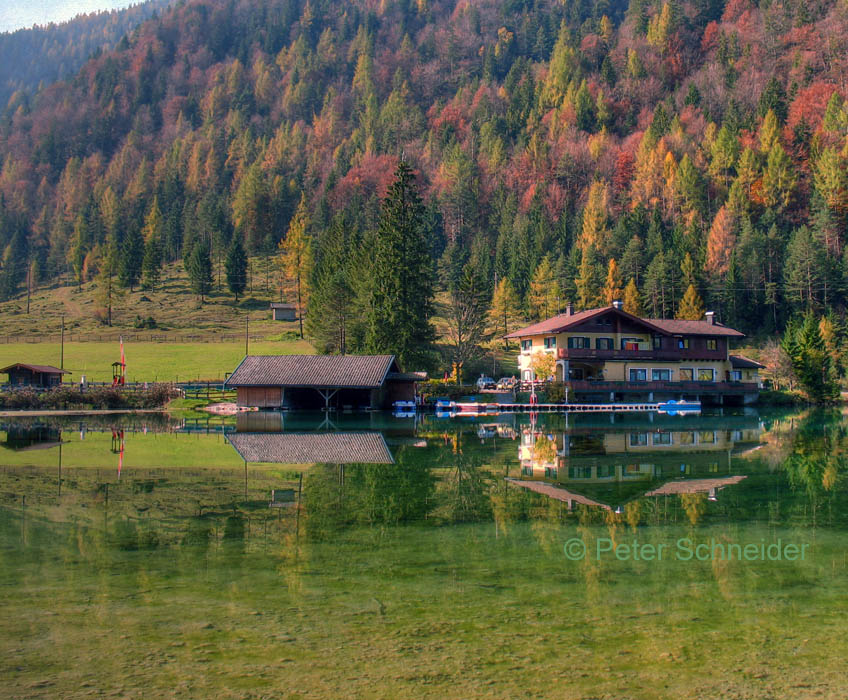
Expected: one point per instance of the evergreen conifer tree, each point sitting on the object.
(236, 267)
(199, 269)
(132, 256)
(402, 289)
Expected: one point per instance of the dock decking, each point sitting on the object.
(491, 408)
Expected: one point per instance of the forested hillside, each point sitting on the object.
(43, 55)
(579, 151)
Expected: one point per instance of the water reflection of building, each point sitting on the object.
(613, 465)
(31, 437)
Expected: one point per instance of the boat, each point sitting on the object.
(674, 408)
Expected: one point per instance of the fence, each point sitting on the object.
(130, 338)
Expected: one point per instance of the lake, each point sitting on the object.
(367, 556)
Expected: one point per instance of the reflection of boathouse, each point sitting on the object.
(31, 437)
(312, 448)
(310, 382)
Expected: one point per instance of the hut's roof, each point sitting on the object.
(326, 371)
(44, 369)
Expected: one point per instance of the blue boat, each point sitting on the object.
(675, 408)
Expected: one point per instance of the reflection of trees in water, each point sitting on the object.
(694, 505)
(340, 496)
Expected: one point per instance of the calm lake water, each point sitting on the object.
(625, 556)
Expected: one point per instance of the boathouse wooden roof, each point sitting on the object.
(324, 371)
(311, 448)
(694, 486)
(556, 492)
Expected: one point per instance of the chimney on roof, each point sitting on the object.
(618, 305)
(569, 309)
(709, 317)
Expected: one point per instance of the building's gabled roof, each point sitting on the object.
(280, 305)
(694, 486)
(44, 369)
(563, 322)
(742, 362)
(312, 448)
(325, 371)
(663, 326)
(676, 326)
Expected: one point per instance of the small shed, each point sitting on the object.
(312, 382)
(283, 312)
(24, 374)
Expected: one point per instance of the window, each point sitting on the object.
(735, 375)
(576, 342)
(706, 374)
(630, 343)
(661, 375)
(527, 471)
(661, 439)
(712, 344)
(706, 437)
(638, 375)
(687, 438)
(657, 342)
(603, 343)
(637, 439)
(526, 345)
(683, 343)
(550, 343)
(686, 374)
(604, 321)
(550, 473)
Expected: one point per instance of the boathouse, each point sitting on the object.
(42, 376)
(329, 382)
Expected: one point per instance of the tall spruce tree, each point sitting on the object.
(132, 256)
(199, 268)
(402, 289)
(331, 303)
(236, 267)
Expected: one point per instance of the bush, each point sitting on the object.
(555, 392)
(70, 397)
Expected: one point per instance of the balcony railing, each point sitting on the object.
(643, 355)
(589, 385)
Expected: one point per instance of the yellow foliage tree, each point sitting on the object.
(296, 258)
(691, 307)
(632, 302)
(612, 287)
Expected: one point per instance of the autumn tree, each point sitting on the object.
(505, 312)
(544, 294)
(296, 258)
(691, 306)
(632, 299)
(612, 287)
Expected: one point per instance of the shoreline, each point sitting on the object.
(79, 412)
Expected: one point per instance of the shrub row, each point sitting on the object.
(67, 397)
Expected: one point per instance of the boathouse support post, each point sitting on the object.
(327, 395)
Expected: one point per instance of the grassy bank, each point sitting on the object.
(147, 362)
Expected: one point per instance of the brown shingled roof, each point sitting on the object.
(557, 324)
(312, 448)
(680, 327)
(329, 371)
(46, 369)
(742, 362)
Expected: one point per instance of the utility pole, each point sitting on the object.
(246, 335)
(62, 351)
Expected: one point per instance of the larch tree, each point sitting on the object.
(632, 299)
(505, 311)
(612, 287)
(595, 231)
(296, 258)
(402, 287)
(544, 293)
(691, 306)
(590, 279)
(720, 242)
(152, 233)
(779, 178)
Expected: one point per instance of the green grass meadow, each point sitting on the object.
(147, 362)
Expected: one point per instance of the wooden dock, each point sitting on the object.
(478, 409)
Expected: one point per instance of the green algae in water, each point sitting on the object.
(434, 576)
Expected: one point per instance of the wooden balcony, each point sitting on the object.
(591, 354)
(734, 388)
